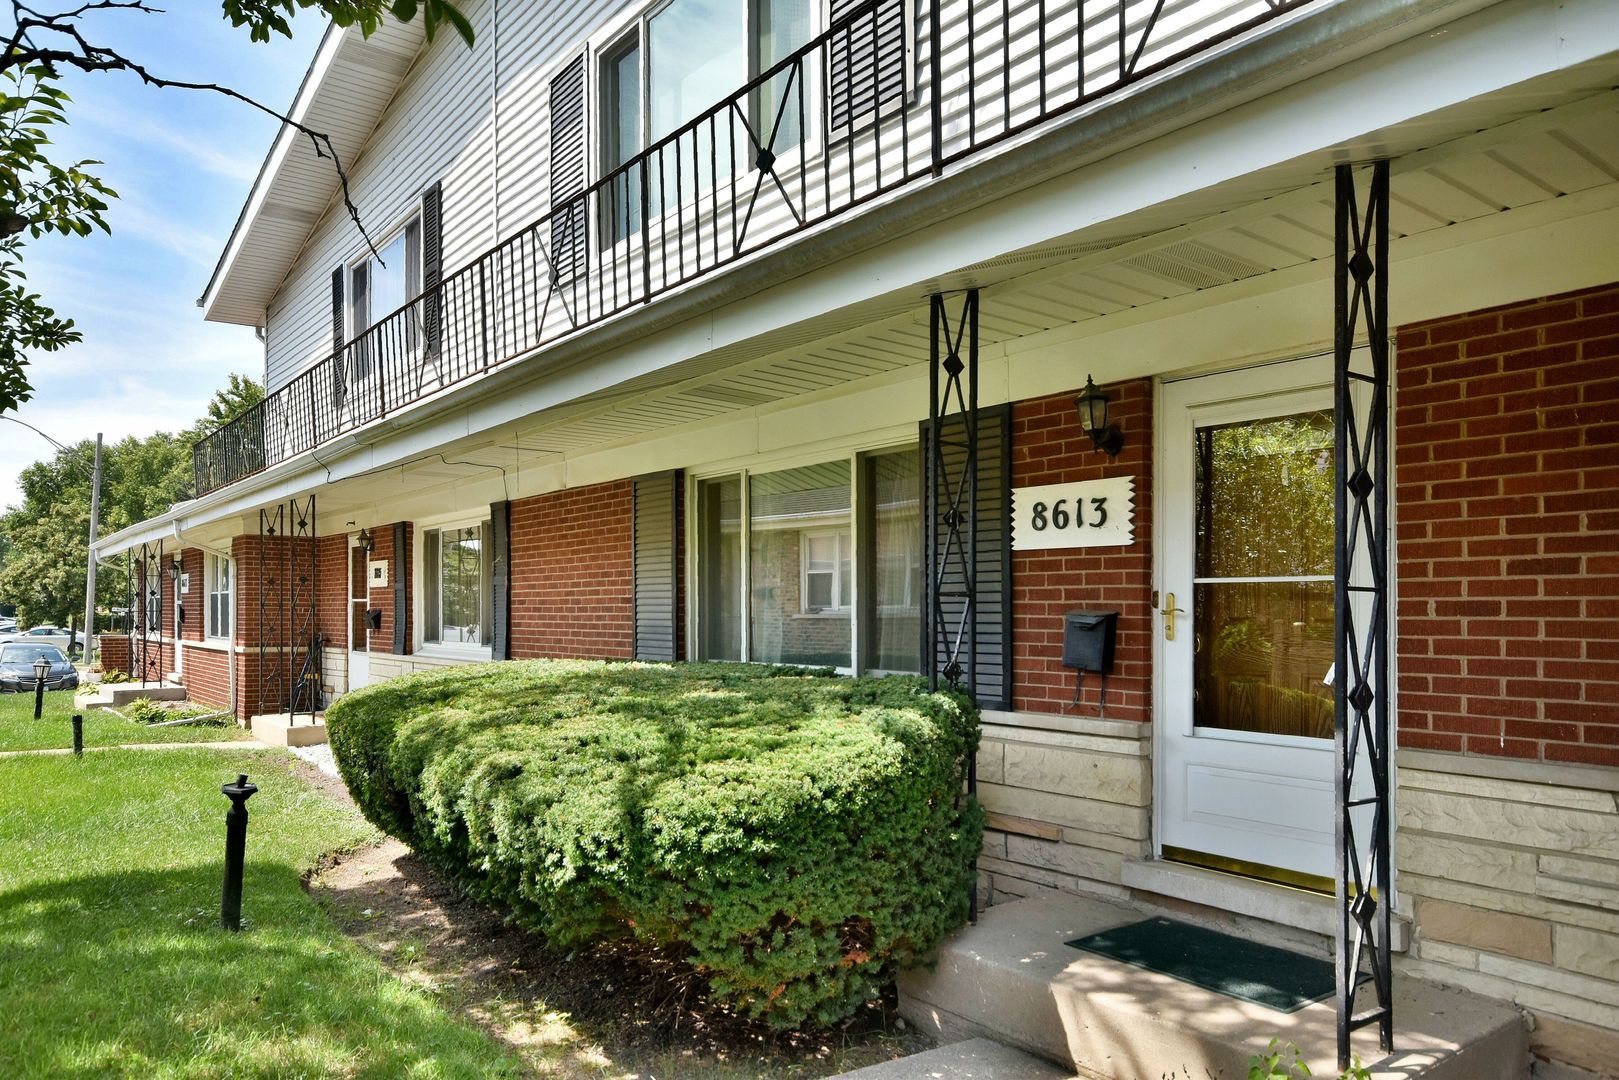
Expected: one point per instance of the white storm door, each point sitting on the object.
(359, 601)
(1244, 715)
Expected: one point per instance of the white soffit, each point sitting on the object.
(348, 86)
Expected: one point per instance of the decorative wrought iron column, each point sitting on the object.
(146, 649)
(1362, 735)
(272, 610)
(952, 495)
(303, 648)
(950, 650)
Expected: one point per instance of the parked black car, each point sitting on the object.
(17, 668)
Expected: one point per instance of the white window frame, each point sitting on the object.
(632, 31)
(212, 563)
(743, 470)
(425, 577)
(366, 256)
(840, 601)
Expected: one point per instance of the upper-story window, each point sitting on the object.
(678, 60)
(380, 286)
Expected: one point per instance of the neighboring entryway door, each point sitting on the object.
(359, 602)
(1244, 714)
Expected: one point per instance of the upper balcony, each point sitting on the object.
(873, 105)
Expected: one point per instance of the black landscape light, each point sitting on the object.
(42, 671)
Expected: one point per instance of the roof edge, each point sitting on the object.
(308, 90)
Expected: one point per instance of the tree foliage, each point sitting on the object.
(44, 540)
(40, 195)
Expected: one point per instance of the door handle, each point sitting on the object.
(1170, 611)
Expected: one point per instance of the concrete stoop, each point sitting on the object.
(283, 729)
(1012, 978)
(117, 695)
(972, 1059)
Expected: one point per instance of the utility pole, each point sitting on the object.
(90, 569)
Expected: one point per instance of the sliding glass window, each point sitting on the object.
(832, 567)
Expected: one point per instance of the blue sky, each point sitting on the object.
(182, 163)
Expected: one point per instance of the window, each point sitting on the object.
(220, 581)
(833, 566)
(456, 574)
(826, 576)
(679, 61)
(380, 287)
(154, 602)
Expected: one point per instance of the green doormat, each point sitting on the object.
(1278, 979)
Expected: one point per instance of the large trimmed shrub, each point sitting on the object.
(796, 836)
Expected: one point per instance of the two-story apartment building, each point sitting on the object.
(772, 330)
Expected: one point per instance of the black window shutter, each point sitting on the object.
(868, 60)
(568, 172)
(992, 615)
(432, 263)
(400, 569)
(654, 533)
(500, 579)
(337, 336)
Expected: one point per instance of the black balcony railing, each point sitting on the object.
(867, 107)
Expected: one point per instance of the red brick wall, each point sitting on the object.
(332, 589)
(572, 573)
(1507, 471)
(1048, 447)
(207, 674)
(114, 649)
(195, 601)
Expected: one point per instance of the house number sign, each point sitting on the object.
(1091, 513)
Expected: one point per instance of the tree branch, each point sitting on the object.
(79, 53)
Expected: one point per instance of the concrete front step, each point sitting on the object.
(282, 729)
(117, 695)
(973, 1059)
(1012, 978)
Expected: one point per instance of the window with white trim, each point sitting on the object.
(456, 571)
(818, 564)
(220, 576)
(681, 58)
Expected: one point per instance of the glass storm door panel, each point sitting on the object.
(1245, 708)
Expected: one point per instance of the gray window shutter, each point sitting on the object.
(432, 263)
(400, 599)
(654, 536)
(867, 60)
(500, 579)
(992, 613)
(568, 171)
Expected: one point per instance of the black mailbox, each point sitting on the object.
(373, 618)
(1087, 640)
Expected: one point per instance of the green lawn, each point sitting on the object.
(111, 957)
(20, 731)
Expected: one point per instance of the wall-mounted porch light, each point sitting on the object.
(1092, 406)
(365, 541)
(175, 569)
